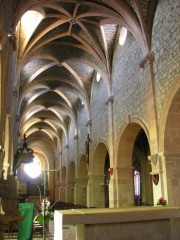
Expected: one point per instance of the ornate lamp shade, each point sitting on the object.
(23, 155)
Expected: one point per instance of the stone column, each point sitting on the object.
(1, 92)
(147, 65)
(171, 182)
(81, 191)
(76, 166)
(67, 171)
(70, 191)
(63, 192)
(87, 145)
(125, 185)
(158, 177)
(96, 189)
(112, 184)
(89, 192)
(112, 193)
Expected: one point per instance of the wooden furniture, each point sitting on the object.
(8, 223)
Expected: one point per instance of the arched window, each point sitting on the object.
(98, 77)
(137, 186)
(122, 36)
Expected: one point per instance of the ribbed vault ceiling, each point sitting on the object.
(59, 58)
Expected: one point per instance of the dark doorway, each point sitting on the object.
(106, 180)
(143, 194)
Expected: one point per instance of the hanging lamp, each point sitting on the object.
(23, 155)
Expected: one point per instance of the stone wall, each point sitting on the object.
(128, 84)
(165, 46)
(99, 114)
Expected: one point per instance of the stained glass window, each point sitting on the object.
(137, 191)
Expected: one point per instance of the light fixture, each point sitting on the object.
(23, 155)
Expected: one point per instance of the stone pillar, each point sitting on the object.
(171, 173)
(81, 192)
(63, 192)
(76, 165)
(67, 171)
(89, 192)
(70, 191)
(87, 145)
(112, 184)
(96, 189)
(158, 177)
(112, 192)
(125, 186)
(147, 65)
(1, 108)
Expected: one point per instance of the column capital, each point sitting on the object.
(109, 100)
(153, 158)
(155, 163)
(89, 123)
(12, 40)
(148, 59)
(76, 137)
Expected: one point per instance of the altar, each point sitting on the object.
(150, 223)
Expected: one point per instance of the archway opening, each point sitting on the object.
(81, 182)
(100, 179)
(106, 180)
(71, 183)
(133, 167)
(143, 194)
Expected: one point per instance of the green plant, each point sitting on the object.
(46, 214)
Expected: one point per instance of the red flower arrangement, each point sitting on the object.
(161, 201)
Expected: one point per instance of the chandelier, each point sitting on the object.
(23, 155)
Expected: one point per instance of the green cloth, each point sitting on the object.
(25, 226)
